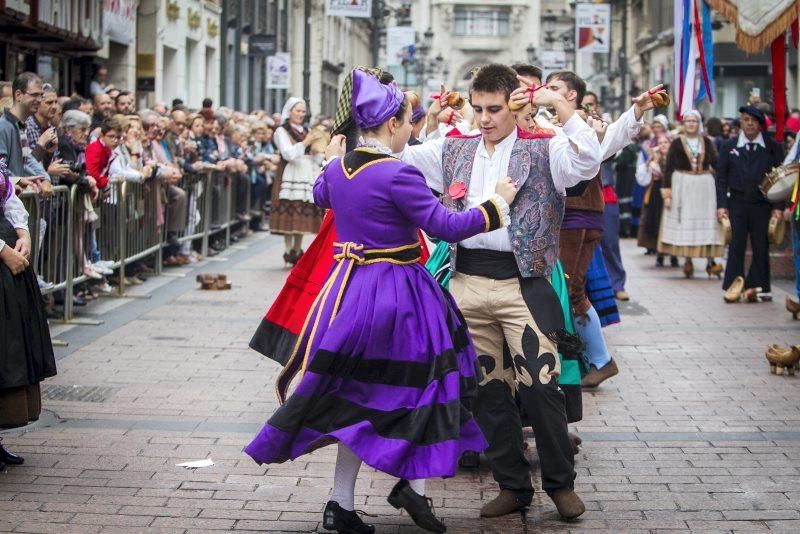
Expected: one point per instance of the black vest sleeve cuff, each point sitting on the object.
(492, 215)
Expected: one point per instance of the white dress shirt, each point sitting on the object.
(621, 133)
(743, 140)
(568, 167)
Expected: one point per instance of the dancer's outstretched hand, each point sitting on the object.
(653, 97)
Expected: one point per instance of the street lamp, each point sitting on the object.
(531, 50)
(549, 23)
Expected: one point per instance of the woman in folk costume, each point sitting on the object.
(292, 210)
(689, 228)
(26, 357)
(650, 173)
(278, 331)
(384, 356)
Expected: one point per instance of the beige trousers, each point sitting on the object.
(495, 312)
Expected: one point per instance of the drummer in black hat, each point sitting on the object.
(743, 163)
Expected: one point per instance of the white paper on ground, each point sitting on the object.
(208, 462)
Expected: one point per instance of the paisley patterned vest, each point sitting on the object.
(537, 211)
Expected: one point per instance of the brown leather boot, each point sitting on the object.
(596, 376)
(503, 504)
(568, 503)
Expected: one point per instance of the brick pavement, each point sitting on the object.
(694, 434)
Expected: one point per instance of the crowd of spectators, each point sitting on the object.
(47, 139)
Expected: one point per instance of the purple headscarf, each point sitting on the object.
(373, 102)
(6, 187)
(417, 113)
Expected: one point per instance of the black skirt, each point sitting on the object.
(26, 353)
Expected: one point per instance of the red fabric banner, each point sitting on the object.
(779, 84)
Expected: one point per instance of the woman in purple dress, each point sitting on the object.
(385, 357)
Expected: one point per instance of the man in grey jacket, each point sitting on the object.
(23, 165)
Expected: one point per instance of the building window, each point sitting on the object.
(481, 21)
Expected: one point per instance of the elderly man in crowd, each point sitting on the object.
(170, 174)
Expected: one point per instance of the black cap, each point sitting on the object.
(756, 113)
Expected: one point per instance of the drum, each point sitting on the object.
(778, 184)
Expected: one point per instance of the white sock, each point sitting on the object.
(344, 478)
(418, 486)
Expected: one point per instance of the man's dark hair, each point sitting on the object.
(22, 81)
(124, 92)
(207, 103)
(591, 93)
(177, 103)
(494, 78)
(573, 81)
(72, 103)
(110, 124)
(527, 71)
(386, 77)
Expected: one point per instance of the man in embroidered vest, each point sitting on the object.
(493, 271)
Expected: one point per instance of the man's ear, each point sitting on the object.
(572, 95)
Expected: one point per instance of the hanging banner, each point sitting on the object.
(278, 71)
(592, 28)
(119, 20)
(349, 8)
(399, 44)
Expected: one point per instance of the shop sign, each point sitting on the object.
(278, 71)
(119, 20)
(349, 8)
(82, 19)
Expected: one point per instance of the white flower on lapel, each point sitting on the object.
(735, 152)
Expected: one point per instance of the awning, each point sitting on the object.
(760, 22)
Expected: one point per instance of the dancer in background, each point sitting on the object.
(689, 227)
(292, 210)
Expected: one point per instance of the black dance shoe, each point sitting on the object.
(9, 458)
(344, 521)
(418, 507)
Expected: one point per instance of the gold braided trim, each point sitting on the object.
(390, 260)
(313, 334)
(318, 307)
(486, 222)
(352, 175)
(341, 292)
(299, 341)
(499, 211)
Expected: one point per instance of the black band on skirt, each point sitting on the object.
(26, 352)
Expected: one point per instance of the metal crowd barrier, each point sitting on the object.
(125, 226)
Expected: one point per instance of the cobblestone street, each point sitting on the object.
(693, 434)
